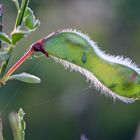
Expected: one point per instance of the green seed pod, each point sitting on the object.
(116, 76)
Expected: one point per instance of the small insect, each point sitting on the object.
(84, 59)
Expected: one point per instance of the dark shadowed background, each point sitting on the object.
(62, 107)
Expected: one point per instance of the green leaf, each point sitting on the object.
(18, 124)
(21, 115)
(3, 56)
(25, 77)
(5, 38)
(17, 36)
(21, 12)
(29, 20)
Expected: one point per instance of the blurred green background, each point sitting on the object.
(62, 107)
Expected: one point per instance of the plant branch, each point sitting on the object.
(19, 20)
(4, 65)
(21, 12)
(17, 65)
(36, 47)
(1, 14)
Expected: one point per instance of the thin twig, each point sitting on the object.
(21, 12)
(1, 14)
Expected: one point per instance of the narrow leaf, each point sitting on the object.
(29, 20)
(25, 77)
(18, 124)
(5, 38)
(17, 36)
(21, 115)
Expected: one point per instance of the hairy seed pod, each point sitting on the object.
(115, 76)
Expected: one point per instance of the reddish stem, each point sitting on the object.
(17, 64)
(38, 46)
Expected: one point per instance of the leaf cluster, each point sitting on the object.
(25, 24)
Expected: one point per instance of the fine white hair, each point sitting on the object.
(90, 76)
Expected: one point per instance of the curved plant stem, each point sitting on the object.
(36, 47)
(1, 13)
(4, 65)
(17, 65)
